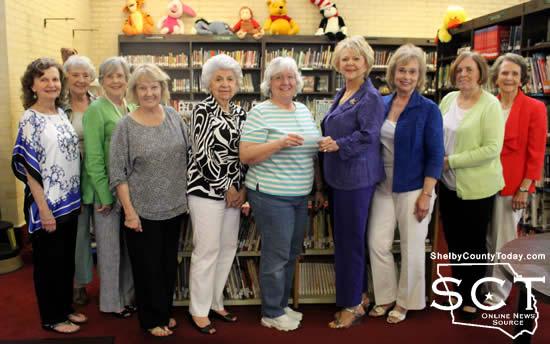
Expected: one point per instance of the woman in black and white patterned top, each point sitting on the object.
(215, 188)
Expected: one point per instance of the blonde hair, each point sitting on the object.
(403, 55)
(149, 72)
(359, 45)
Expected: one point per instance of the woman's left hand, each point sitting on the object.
(319, 200)
(328, 145)
(446, 166)
(421, 207)
(241, 198)
(520, 200)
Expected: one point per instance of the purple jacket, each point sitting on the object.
(355, 125)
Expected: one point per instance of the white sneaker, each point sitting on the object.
(281, 323)
(293, 314)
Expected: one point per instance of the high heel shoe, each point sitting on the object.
(208, 329)
(229, 317)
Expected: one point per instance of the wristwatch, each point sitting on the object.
(522, 189)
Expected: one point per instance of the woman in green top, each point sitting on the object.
(116, 291)
(474, 131)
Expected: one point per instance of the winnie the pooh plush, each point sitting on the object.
(279, 23)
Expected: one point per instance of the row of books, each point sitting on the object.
(319, 235)
(495, 40)
(181, 85)
(539, 74)
(318, 108)
(164, 61)
(246, 58)
(249, 235)
(305, 59)
(185, 107)
(316, 279)
(242, 283)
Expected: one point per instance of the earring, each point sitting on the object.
(34, 95)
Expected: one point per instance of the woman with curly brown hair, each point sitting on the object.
(46, 158)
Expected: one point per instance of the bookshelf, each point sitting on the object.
(182, 57)
(523, 29)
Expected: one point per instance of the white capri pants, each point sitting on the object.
(502, 229)
(388, 211)
(215, 235)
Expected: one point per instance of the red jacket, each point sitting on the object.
(524, 146)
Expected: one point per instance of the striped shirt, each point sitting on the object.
(288, 172)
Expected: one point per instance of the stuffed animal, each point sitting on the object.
(204, 27)
(67, 52)
(247, 25)
(138, 22)
(454, 16)
(332, 25)
(172, 23)
(279, 23)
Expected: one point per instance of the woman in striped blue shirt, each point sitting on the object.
(279, 143)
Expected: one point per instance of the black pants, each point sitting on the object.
(153, 254)
(465, 226)
(53, 259)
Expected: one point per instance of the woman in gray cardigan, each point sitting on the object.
(148, 161)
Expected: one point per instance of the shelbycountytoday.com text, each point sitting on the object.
(489, 257)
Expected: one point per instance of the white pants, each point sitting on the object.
(502, 229)
(215, 234)
(388, 211)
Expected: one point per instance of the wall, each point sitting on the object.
(26, 39)
(23, 38)
(394, 18)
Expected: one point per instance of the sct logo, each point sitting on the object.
(528, 281)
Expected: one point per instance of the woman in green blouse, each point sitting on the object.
(116, 284)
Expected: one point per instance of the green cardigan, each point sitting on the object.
(99, 122)
(479, 138)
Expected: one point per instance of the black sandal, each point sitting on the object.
(204, 330)
(124, 314)
(229, 317)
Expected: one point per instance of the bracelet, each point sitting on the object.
(426, 193)
(522, 189)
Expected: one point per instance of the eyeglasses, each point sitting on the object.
(280, 77)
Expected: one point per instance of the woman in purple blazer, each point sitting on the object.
(352, 167)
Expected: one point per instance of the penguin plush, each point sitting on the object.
(332, 25)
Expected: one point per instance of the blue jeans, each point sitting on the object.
(281, 221)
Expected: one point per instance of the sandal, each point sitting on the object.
(381, 310)
(123, 314)
(395, 316)
(77, 318)
(355, 319)
(65, 327)
(131, 308)
(208, 329)
(469, 313)
(228, 317)
(172, 324)
(159, 331)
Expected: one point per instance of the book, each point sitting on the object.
(322, 83)
(309, 82)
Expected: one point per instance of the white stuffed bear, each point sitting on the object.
(172, 23)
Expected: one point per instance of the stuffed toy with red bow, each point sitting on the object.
(279, 23)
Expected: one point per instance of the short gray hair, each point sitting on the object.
(404, 54)
(514, 58)
(359, 45)
(215, 63)
(80, 61)
(150, 72)
(111, 64)
(276, 66)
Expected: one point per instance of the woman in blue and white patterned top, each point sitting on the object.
(47, 159)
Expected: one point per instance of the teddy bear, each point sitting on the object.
(247, 25)
(172, 23)
(332, 25)
(204, 27)
(279, 23)
(138, 22)
(454, 16)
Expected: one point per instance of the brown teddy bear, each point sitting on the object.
(279, 23)
(247, 25)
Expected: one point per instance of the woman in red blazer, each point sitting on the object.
(522, 158)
